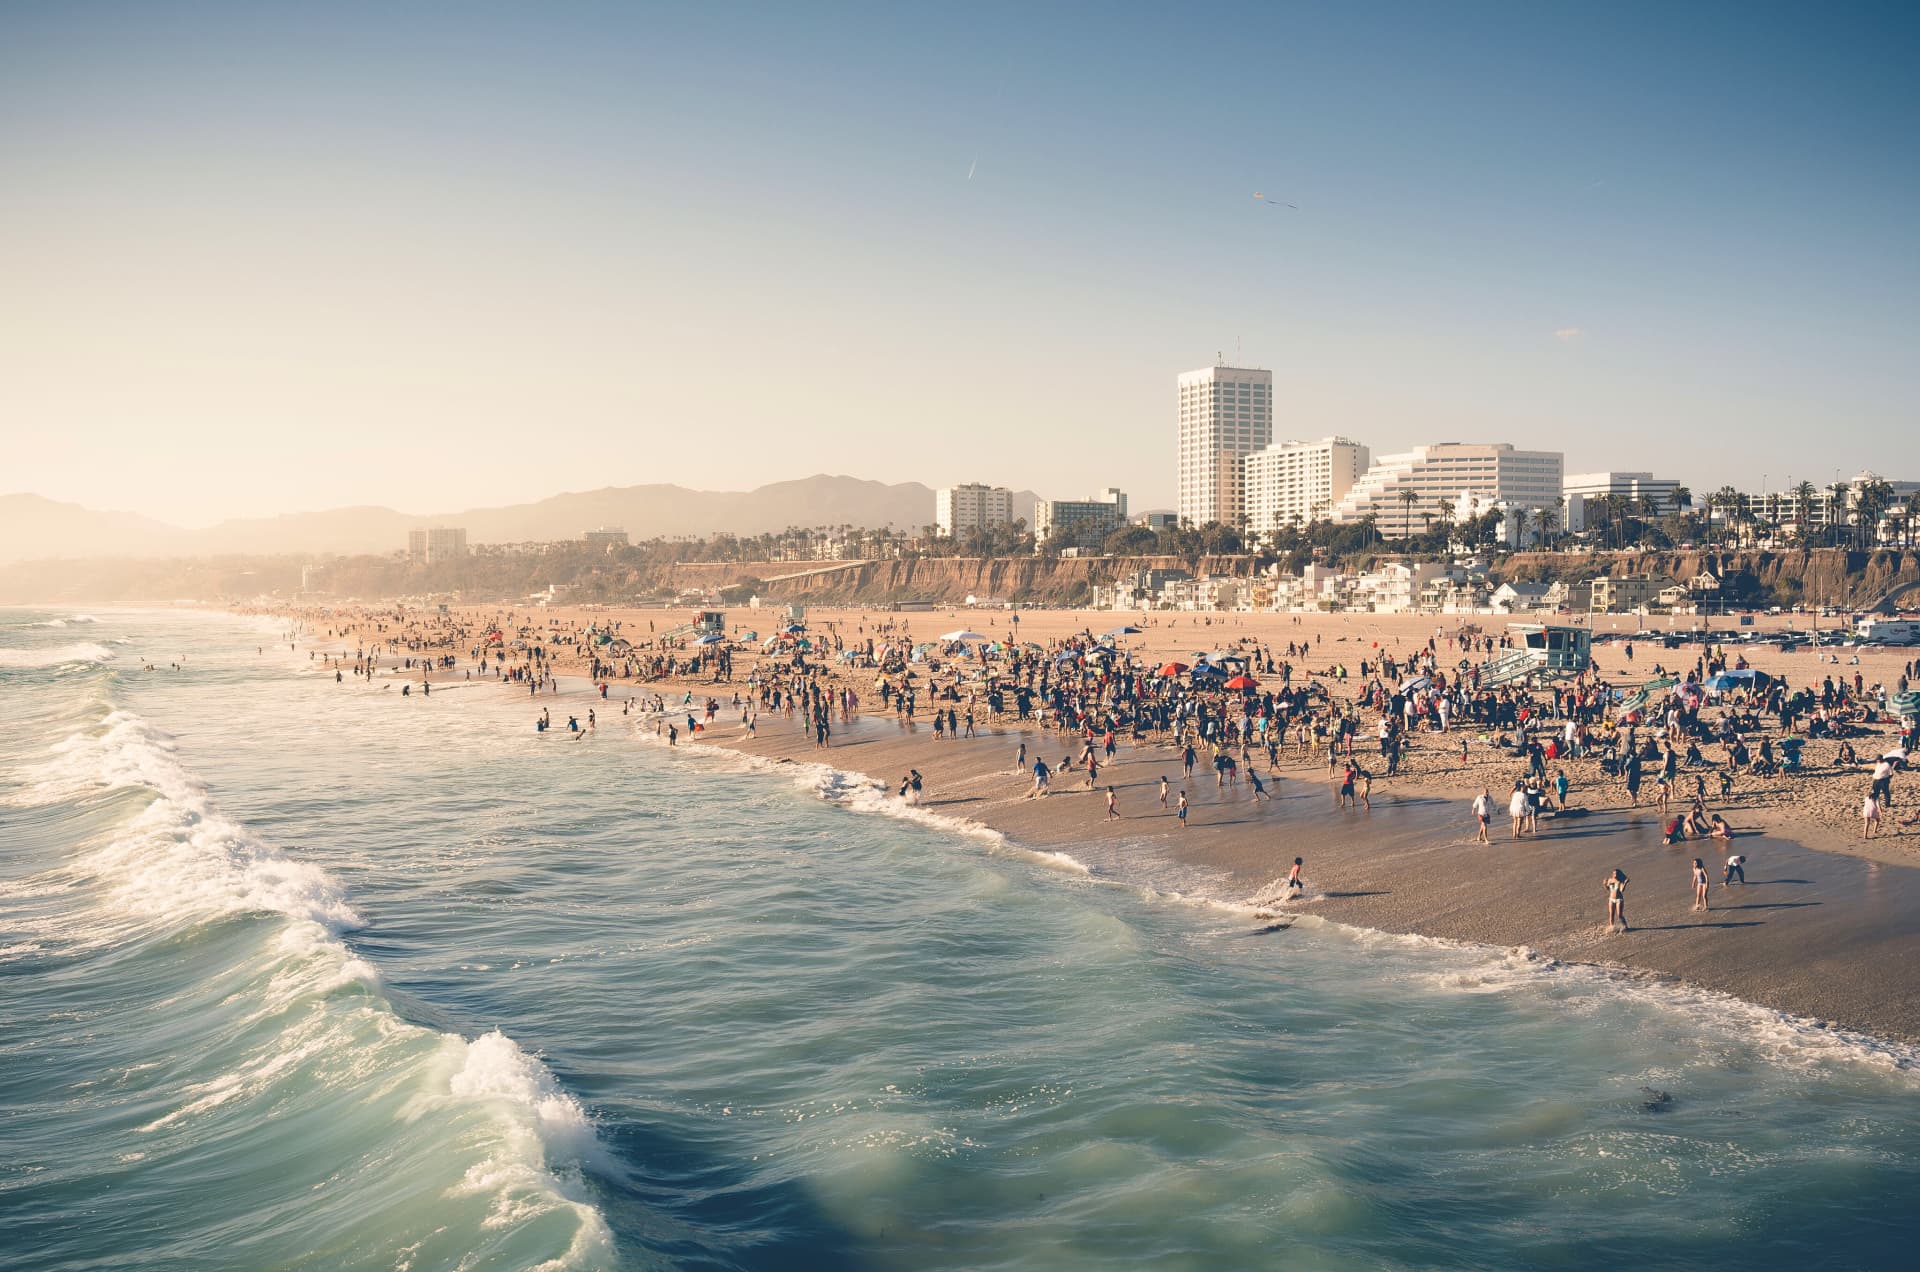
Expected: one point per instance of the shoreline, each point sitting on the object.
(1409, 867)
(1819, 934)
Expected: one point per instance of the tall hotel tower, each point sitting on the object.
(1225, 413)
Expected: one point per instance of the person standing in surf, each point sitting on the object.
(1617, 899)
(1699, 884)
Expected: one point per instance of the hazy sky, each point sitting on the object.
(262, 257)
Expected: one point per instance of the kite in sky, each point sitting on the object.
(1274, 203)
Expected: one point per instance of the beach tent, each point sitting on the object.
(1128, 630)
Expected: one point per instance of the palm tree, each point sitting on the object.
(1649, 509)
(1730, 502)
(1837, 508)
(1803, 495)
(1682, 499)
(1408, 497)
(1544, 521)
(1870, 503)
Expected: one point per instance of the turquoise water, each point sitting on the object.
(298, 974)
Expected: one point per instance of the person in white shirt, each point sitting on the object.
(1483, 813)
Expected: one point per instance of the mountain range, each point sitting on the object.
(32, 527)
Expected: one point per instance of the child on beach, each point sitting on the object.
(1296, 886)
(1483, 813)
(1181, 812)
(1699, 884)
(1163, 791)
(1113, 811)
(1869, 816)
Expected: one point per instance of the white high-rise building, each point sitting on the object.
(1292, 483)
(1581, 489)
(1092, 519)
(960, 510)
(1439, 475)
(1225, 413)
(436, 545)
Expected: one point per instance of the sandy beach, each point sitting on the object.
(1824, 926)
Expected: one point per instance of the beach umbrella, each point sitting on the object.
(711, 638)
(794, 628)
(963, 634)
(1171, 669)
(1242, 682)
(749, 635)
(1128, 630)
(1416, 683)
(1905, 704)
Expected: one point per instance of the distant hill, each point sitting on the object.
(33, 528)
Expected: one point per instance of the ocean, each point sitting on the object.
(300, 974)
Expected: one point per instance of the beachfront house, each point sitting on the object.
(1625, 595)
(1520, 598)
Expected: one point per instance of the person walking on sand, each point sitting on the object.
(1517, 809)
(1259, 787)
(1483, 813)
(1699, 884)
(1869, 816)
(1040, 775)
(1616, 899)
(1113, 810)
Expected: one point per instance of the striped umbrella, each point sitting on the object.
(1905, 704)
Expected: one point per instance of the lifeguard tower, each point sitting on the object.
(705, 623)
(1546, 650)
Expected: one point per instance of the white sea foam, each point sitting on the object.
(85, 651)
(179, 860)
(535, 1167)
(862, 794)
(1782, 1038)
(180, 856)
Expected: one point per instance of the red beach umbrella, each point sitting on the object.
(1172, 669)
(1243, 682)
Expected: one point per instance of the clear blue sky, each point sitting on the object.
(263, 257)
